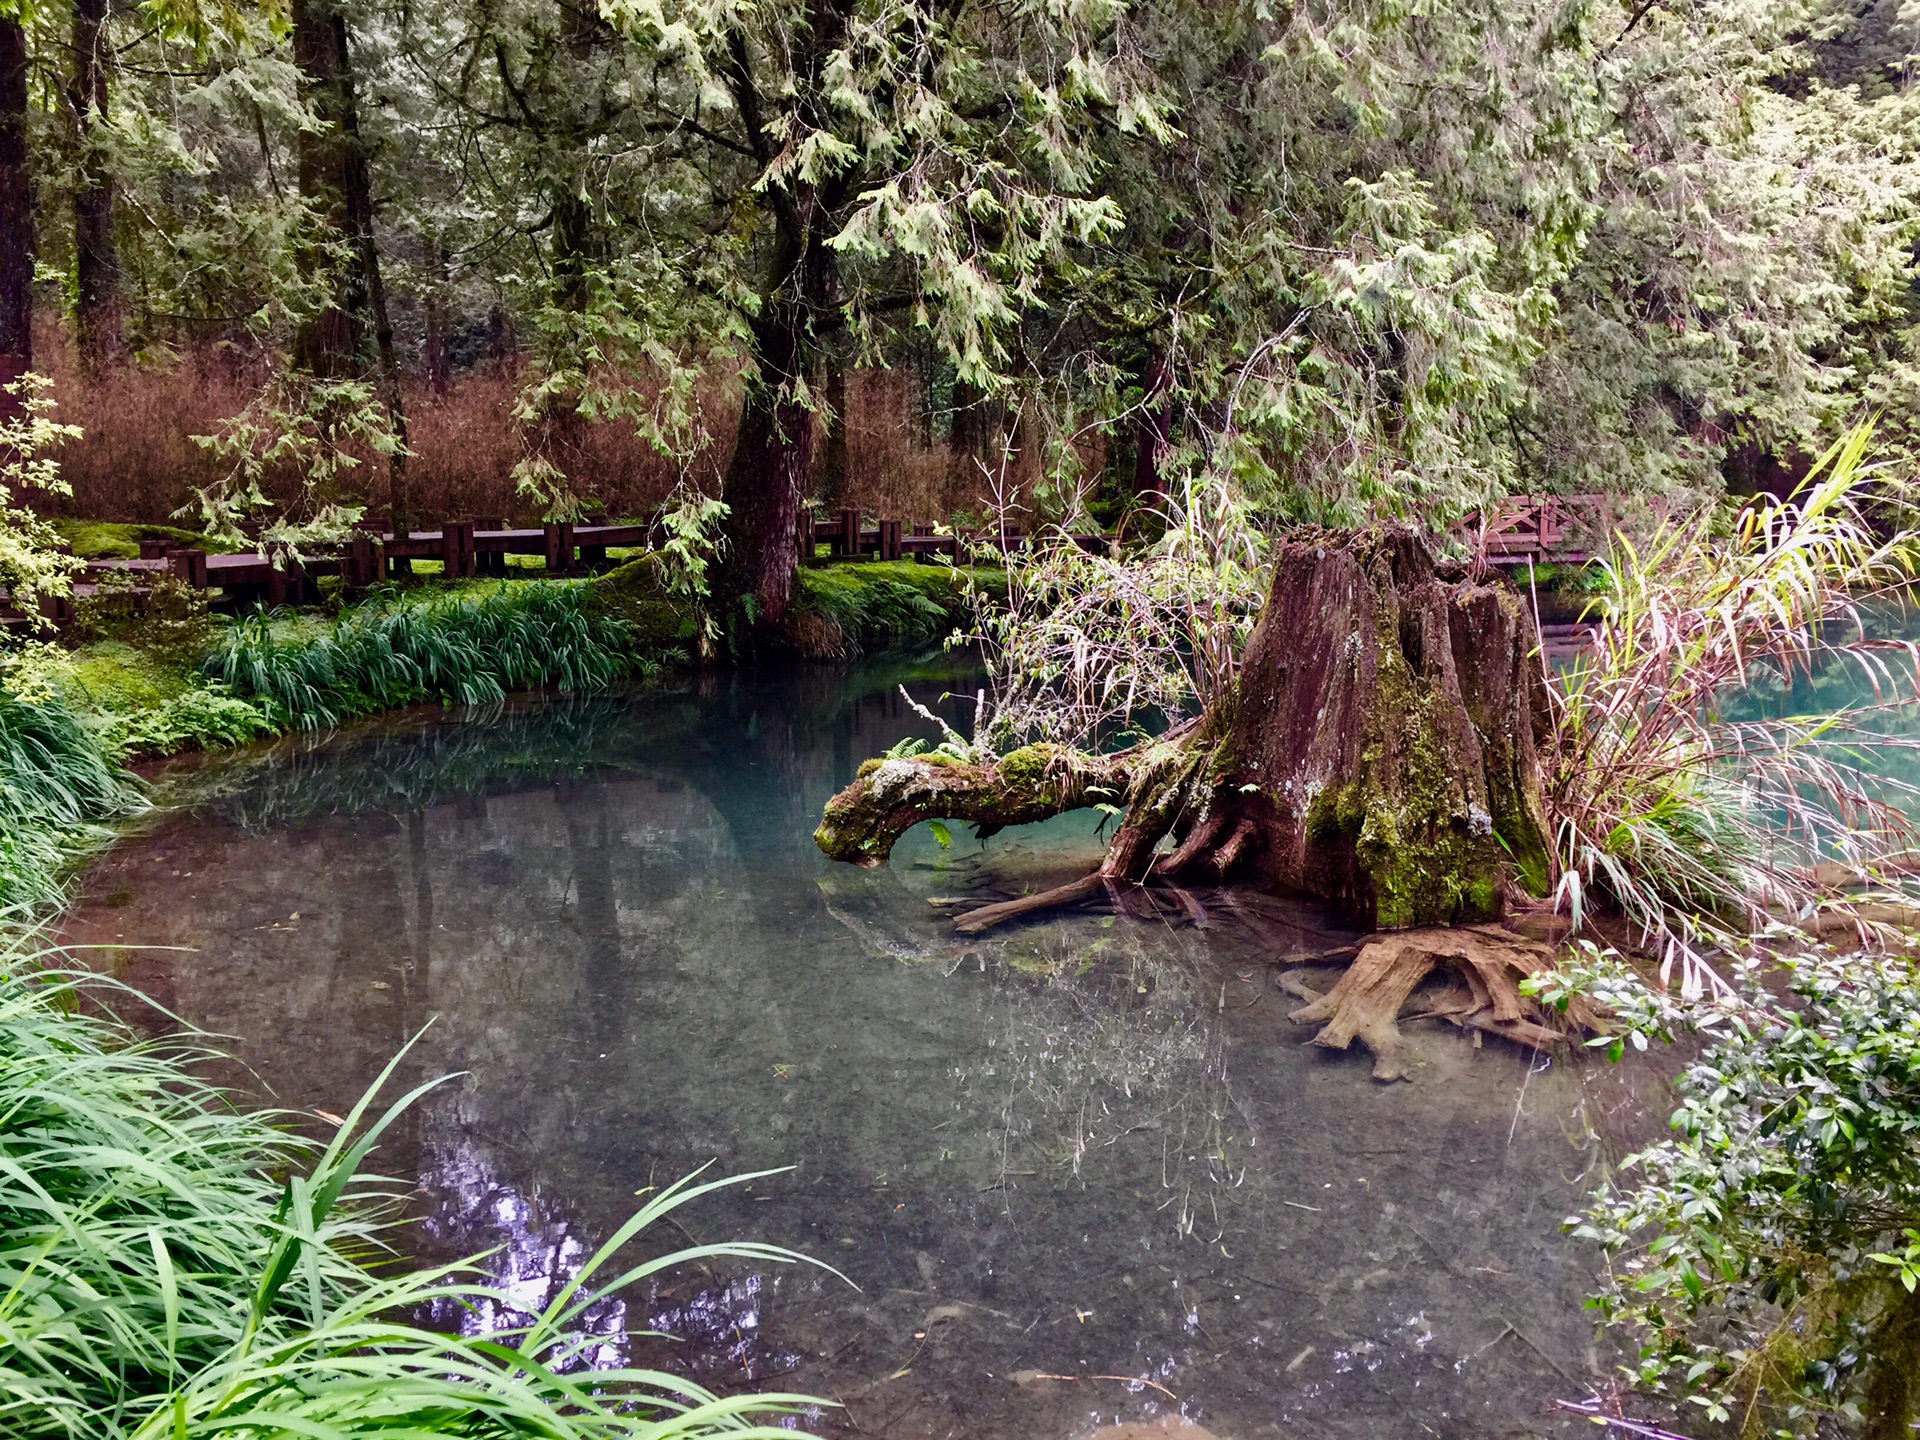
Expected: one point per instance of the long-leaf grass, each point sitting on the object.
(1670, 806)
(58, 787)
(470, 647)
(174, 1265)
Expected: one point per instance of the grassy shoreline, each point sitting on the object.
(176, 1263)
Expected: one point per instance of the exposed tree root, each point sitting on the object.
(1366, 1003)
(987, 916)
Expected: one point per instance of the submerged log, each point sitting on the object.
(1379, 754)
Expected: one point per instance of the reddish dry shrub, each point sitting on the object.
(137, 460)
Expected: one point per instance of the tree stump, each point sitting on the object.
(1379, 753)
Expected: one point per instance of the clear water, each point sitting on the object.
(1092, 1148)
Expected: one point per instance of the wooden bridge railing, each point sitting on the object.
(1538, 529)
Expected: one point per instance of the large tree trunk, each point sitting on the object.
(772, 459)
(767, 476)
(1154, 430)
(330, 342)
(96, 259)
(16, 214)
(336, 178)
(1379, 753)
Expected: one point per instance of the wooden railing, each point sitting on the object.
(1537, 529)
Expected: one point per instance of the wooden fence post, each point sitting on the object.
(363, 562)
(456, 548)
(849, 543)
(803, 535)
(279, 578)
(889, 539)
(491, 562)
(189, 567)
(559, 537)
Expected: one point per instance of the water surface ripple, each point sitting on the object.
(1086, 1149)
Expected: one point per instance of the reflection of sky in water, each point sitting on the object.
(1090, 1147)
(537, 1255)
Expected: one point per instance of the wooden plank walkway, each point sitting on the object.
(1537, 530)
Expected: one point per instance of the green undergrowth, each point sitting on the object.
(468, 645)
(59, 788)
(178, 1265)
(108, 540)
(859, 607)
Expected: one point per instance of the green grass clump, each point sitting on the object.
(174, 1266)
(878, 604)
(468, 646)
(58, 788)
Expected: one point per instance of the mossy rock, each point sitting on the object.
(876, 604)
(112, 540)
(121, 678)
(636, 592)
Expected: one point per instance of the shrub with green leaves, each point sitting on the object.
(470, 646)
(174, 1266)
(200, 717)
(1768, 1256)
(875, 605)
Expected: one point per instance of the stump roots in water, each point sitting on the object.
(1379, 754)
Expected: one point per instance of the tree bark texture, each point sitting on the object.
(768, 474)
(772, 463)
(1379, 754)
(333, 179)
(1154, 431)
(16, 213)
(96, 258)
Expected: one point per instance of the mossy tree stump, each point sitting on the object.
(1379, 753)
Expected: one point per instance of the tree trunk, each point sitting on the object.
(767, 476)
(330, 342)
(16, 214)
(1378, 755)
(1154, 430)
(1893, 1384)
(96, 260)
(335, 177)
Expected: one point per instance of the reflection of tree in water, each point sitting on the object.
(305, 777)
(1111, 1040)
(707, 724)
(707, 1327)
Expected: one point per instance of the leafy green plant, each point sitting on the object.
(176, 1266)
(201, 717)
(58, 788)
(31, 564)
(318, 429)
(1091, 642)
(873, 606)
(1664, 805)
(1768, 1257)
(469, 646)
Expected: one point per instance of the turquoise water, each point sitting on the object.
(1092, 1148)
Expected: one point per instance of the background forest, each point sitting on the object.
(545, 258)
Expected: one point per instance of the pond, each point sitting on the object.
(1084, 1173)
